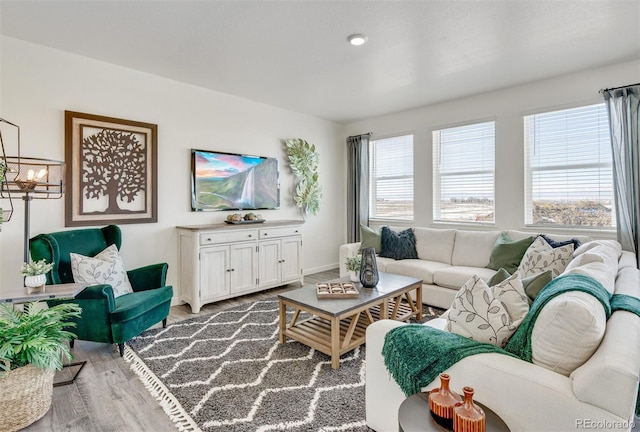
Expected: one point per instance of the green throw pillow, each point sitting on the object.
(370, 238)
(507, 254)
(498, 277)
(534, 284)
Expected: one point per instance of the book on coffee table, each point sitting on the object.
(335, 290)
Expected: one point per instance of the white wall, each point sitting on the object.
(39, 84)
(506, 107)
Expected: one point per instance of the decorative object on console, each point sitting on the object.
(30, 178)
(34, 343)
(442, 401)
(113, 170)
(303, 160)
(35, 273)
(467, 416)
(369, 276)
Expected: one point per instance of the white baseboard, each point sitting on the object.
(312, 270)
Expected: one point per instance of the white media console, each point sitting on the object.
(221, 261)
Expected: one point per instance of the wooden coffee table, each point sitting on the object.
(414, 416)
(337, 326)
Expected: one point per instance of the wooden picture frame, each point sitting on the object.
(111, 170)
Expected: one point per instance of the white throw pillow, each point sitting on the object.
(481, 313)
(105, 268)
(541, 257)
(567, 332)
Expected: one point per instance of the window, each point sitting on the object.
(463, 173)
(391, 178)
(568, 170)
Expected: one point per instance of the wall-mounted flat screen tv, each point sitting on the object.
(231, 181)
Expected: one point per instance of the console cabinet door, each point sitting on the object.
(290, 259)
(214, 277)
(244, 267)
(269, 262)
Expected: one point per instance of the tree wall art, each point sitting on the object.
(111, 170)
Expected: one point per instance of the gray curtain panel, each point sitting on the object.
(357, 185)
(622, 105)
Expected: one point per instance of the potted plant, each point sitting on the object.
(35, 272)
(33, 344)
(352, 264)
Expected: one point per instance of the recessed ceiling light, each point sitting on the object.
(357, 39)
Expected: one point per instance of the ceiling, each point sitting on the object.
(294, 54)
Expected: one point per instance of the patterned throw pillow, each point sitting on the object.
(488, 314)
(398, 246)
(105, 268)
(541, 257)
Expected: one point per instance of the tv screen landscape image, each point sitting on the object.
(229, 181)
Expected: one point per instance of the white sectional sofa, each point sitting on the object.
(598, 392)
(447, 258)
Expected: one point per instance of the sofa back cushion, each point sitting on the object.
(435, 244)
(473, 248)
(567, 332)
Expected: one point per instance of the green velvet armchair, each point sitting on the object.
(105, 318)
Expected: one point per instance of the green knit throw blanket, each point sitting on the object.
(416, 354)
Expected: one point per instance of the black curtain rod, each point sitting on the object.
(617, 88)
(368, 133)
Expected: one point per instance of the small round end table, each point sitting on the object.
(414, 416)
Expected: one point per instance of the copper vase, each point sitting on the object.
(441, 402)
(467, 416)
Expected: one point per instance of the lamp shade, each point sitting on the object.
(41, 178)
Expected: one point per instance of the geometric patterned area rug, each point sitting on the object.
(228, 372)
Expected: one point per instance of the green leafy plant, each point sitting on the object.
(353, 263)
(36, 336)
(303, 160)
(36, 268)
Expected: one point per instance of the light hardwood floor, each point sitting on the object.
(107, 395)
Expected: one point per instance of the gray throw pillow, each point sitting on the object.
(398, 246)
(370, 238)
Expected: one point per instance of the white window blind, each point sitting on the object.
(568, 169)
(391, 178)
(463, 173)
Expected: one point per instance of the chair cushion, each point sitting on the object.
(105, 268)
(129, 306)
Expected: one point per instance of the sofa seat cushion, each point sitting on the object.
(473, 248)
(129, 306)
(382, 262)
(455, 276)
(433, 244)
(417, 268)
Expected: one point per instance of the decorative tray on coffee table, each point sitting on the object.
(337, 290)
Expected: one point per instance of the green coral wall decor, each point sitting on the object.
(303, 160)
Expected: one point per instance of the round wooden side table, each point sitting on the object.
(414, 416)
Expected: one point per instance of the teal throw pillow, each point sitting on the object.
(498, 277)
(370, 238)
(398, 246)
(507, 254)
(534, 284)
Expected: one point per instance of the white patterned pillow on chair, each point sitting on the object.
(105, 268)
